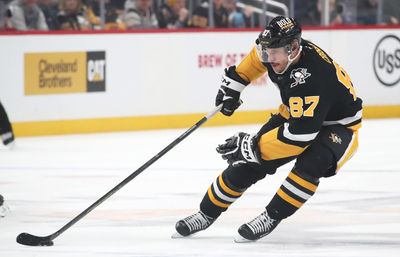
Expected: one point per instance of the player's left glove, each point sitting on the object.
(240, 148)
(229, 92)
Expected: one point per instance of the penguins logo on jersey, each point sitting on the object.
(299, 75)
(335, 138)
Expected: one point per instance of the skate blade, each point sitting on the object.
(239, 239)
(176, 235)
(9, 146)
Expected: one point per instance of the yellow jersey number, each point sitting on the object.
(296, 106)
(344, 78)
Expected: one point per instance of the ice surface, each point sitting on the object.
(47, 181)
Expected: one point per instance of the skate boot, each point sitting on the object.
(192, 224)
(259, 227)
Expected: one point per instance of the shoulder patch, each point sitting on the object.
(299, 75)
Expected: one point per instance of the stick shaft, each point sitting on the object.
(136, 173)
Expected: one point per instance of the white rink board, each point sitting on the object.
(161, 73)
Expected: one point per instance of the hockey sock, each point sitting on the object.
(293, 193)
(220, 195)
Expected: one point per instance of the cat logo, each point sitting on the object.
(335, 138)
(96, 71)
(299, 75)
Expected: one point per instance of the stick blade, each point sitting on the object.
(31, 240)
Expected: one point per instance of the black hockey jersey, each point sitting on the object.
(315, 92)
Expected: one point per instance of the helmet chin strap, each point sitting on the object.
(290, 60)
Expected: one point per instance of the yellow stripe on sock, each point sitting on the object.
(289, 199)
(302, 182)
(215, 201)
(227, 189)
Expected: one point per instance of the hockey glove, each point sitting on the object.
(229, 92)
(239, 149)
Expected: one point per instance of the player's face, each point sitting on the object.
(278, 58)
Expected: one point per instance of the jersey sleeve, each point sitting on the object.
(251, 68)
(305, 117)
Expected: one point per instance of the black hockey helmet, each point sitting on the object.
(280, 32)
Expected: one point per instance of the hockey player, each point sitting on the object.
(7, 137)
(317, 125)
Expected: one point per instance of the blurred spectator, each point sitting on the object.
(3, 9)
(200, 15)
(341, 12)
(50, 10)
(220, 14)
(236, 18)
(240, 18)
(112, 13)
(348, 10)
(139, 15)
(119, 4)
(25, 15)
(336, 11)
(367, 12)
(391, 12)
(72, 16)
(307, 12)
(173, 15)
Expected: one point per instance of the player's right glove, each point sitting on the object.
(229, 91)
(239, 149)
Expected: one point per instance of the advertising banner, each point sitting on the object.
(64, 72)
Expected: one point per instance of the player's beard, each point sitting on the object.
(278, 67)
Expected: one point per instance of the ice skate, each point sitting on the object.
(192, 224)
(4, 209)
(259, 227)
(8, 139)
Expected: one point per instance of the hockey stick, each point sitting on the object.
(32, 240)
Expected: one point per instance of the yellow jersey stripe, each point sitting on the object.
(215, 201)
(302, 182)
(227, 189)
(289, 199)
(355, 127)
(272, 148)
